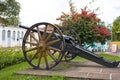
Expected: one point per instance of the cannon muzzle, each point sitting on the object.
(24, 27)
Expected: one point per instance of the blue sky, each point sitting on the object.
(34, 11)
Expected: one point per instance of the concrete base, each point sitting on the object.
(78, 70)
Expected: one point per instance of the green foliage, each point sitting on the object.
(116, 29)
(10, 56)
(9, 12)
(86, 23)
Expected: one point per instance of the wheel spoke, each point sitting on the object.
(53, 53)
(53, 42)
(60, 56)
(33, 36)
(52, 48)
(44, 33)
(31, 43)
(50, 35)
(39, 35)
(39, 58)
(50, 54)
(62, 45)
(46, 61)
(34, 55)
(31, 49)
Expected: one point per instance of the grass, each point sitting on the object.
(9, 73)
(110, 57)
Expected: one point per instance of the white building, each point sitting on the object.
(11, 36)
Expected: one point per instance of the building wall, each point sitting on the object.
(11, 36)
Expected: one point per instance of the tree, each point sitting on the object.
(86, 23)
(116, 28)
(9, 12)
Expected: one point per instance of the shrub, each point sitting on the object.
(10, 56)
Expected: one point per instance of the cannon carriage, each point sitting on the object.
(44, 46)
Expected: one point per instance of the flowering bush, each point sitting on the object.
(85, 23)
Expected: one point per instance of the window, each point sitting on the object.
(18, 35)
(22, 34)
(9, 34)
(14, 33)
(3, 35)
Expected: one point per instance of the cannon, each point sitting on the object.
(44, 46)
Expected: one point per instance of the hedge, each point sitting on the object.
(10, 56)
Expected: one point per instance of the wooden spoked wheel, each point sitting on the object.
(43, 46)
(69, 56)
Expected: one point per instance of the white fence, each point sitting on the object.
(11, 36)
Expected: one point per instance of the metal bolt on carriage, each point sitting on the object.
(44, 46)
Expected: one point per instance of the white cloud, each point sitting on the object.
(34, 11)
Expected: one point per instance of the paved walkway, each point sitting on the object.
(78, 70)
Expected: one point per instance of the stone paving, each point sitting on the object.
(78, 70)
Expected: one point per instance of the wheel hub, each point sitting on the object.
(42, 46)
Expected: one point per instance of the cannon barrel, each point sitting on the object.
(24, 27)
(67, 38)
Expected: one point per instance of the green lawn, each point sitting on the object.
(110, 57)
(9, 73)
